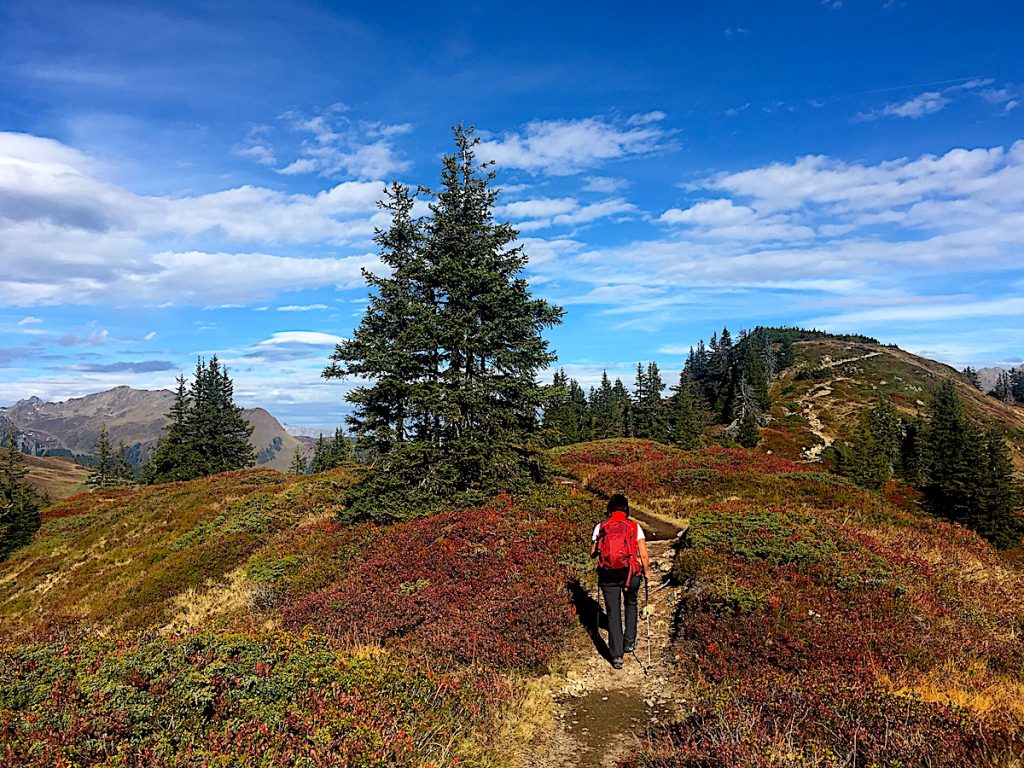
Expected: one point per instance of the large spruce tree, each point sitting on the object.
(207, 432)
(452, 343)
(968, 473)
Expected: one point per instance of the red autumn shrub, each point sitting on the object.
(487, 584)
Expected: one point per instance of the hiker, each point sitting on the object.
(620, 546)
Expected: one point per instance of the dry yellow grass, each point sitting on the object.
(667, 510)
(518, 725)
(967, 684)
(196, 607)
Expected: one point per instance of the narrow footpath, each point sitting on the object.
(600, 713)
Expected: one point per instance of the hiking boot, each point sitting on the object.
(617, 663)
(630, 647)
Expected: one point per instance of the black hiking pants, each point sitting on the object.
(613, 587)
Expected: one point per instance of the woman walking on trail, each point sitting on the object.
(620, 546)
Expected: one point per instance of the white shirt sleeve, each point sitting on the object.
(639, 532)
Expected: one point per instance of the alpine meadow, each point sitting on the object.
(539, 386)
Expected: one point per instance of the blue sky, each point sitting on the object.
(196, 178)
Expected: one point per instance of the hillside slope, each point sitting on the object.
(57, 477)
(819, 399)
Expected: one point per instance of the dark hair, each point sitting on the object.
(618, 503)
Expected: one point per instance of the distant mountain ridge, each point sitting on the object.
(135, 416)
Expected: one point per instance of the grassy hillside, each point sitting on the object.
(56, 477)
(819, 399)
(817, 624)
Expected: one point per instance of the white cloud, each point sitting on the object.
(342, 147)
(604, 184)
(930, 102)
(923, 104)
(724, 219)
(301, 307)
(150, 336)
(930, 312)
(566, 147)
(68, 236)
(545, 212)
(309, 338)
(29, 320)
(813, 236)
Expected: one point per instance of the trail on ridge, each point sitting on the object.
(807, 407)
(599, 713)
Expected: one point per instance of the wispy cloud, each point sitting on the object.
(68, 236)
(143, 366)
(301, 307)
(604, 184)
(930, 102)
(817, 236)
(566, 147)
(339, 146)
(544, 213)
(309, 338)
(923, 104)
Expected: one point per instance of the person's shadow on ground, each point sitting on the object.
(592, 618)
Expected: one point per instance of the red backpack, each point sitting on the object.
(617, 545)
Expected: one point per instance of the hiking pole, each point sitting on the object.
(647, 615)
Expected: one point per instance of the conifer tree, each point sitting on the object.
(395, 344)
(605, 410)
(1003, 390)
(106, 470)
(466, 334)
(340, 453)
(863, 459)
(19, 502)
(173, 459)
(1017, 384)
(684, 418)
(972, 377)
(639, 404)
(124, 469)
(217, 430)
(207, 433)
(321, 460)
(566, 417)
(996, 517)
(622, 411)
(911, 459)
(968, 473)
(747, 434)
(298, 465)
(652, 416)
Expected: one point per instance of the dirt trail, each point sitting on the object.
(599, 712)
(814, 422)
